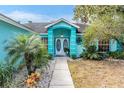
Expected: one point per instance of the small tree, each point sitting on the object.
(30, 49)
(105, 28)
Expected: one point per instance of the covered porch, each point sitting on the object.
(61, 36)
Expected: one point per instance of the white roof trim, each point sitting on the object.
(11, 21)
(62, 19)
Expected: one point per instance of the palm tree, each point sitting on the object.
(28, 48)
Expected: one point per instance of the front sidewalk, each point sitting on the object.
(61, 76)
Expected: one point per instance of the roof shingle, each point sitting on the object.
(40, 27)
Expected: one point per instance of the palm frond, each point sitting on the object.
(15, 58)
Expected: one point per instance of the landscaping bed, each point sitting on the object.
(44, 80)
(27, 63)
(93, 74)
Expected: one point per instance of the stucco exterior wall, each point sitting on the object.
(7, 32)
(113, 45)
(79, 45)
(73, 50)
(50, 41)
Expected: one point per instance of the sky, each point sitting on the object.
(37, 13)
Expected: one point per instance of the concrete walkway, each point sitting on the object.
(61, 76)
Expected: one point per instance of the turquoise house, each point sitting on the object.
(61, 34)
(57, 35)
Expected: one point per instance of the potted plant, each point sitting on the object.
(67, 51)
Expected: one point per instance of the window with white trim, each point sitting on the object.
(103, 45)
(45, 41)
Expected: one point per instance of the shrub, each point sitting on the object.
(6, 74)
(103, 55)
(50, 56)
(73, 56)
(92, 56)
(117, 54)
(91, 49)
(91, 53)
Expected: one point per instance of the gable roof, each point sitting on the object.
(62, 19)
(40, 27)
(13, 22)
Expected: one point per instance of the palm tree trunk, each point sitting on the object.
(28, 63)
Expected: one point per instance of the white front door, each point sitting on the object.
(60, 44)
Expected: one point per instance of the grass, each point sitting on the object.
(93, 74)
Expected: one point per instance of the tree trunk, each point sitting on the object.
(28, 63)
